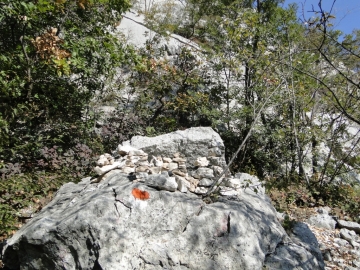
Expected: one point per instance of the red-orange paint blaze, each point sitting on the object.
(139, 194)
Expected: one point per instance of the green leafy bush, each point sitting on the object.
(343, 199)
(25, 192)
(55, 58)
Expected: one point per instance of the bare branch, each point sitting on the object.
(219, 179)
(328, 88)
(28, 70)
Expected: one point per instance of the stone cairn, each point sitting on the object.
(170, 173)
(340, 247)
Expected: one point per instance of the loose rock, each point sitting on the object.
(205, 182)
(201, 162)
(162, 182)
(203, 173)
(107, 168)
(349, 225)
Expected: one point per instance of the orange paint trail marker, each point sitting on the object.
(139, 194)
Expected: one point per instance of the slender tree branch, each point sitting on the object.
(28, 61)
(219, 179)
(337, 101)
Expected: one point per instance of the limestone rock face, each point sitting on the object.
(122, 224)
(150, 214)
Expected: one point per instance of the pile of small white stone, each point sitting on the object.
(134, 161)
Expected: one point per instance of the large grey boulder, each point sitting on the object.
(191, 143)
(103, 226)
(303, 236)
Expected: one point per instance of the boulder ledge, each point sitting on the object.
(120, 222)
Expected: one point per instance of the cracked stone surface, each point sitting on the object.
(102, 226)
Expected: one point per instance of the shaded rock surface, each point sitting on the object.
(340, 247)
(303, 236)
(103, 226)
